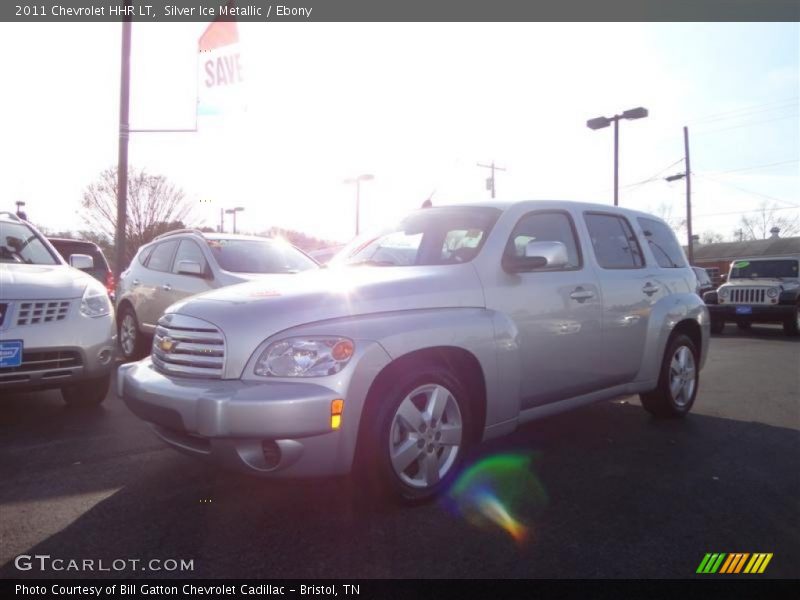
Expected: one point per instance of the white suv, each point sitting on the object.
(56, 322)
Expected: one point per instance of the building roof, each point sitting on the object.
(733, 250)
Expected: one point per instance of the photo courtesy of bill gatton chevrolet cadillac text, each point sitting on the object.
(453, 327)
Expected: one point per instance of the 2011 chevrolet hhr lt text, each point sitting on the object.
(453, 327)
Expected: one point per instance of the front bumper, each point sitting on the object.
(269, 428)
(60, 353)
(775, 313)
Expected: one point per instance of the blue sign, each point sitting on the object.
(744, 310)
(10, 353)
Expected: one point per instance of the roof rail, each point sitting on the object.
(177, 231)
(10, 214)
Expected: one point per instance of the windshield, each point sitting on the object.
(256, 256)
(18, 244)
(432, 236)
(774, 269)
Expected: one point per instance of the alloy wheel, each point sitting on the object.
(682, 376)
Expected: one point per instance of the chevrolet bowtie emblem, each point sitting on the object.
(167, 344)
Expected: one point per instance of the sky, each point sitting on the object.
(415, 104)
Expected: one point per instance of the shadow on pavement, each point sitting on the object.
(629, 496)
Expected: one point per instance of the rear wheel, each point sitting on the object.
(792, 325)
(678, 380)
(421, 436)
(87, 393)
(132, 341)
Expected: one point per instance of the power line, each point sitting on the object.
(742, 212)
(775, 164)
(792, 116)
(732, 114)
(746, 191)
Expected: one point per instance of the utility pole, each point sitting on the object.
(124, 126)
(222, 220)
(688, 193)
(490, 181)
(688, 175)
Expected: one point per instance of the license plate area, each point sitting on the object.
(10, 353)
(744, 310)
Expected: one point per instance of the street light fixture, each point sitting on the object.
(20, 212)
(233, 211)
(357, 181)
(602, 122)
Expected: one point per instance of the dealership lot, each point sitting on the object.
(627, 496)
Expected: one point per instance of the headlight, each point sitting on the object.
(95, 302)
(772, 292)
(723, 292)
(305, 357)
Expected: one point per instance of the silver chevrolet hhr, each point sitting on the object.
(453, 327)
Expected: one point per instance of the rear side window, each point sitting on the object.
(614, 243)
(663, 244)
(161, 258)
(144, 254)
(545, 227)
(188, 250)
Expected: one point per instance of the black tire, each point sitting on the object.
(661, 401)
(743, 325)
(127, 326)
(717, 326)
(791, 326)
(86, 394)
(374, 467)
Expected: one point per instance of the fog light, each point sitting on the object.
(271, 452)
(337, 407)
(104, 356)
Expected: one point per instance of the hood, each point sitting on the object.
(41, 282)
(251, 312)
(765, 282)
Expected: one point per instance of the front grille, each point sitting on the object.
(42, 364)
(188, 347)
(34, 313)
(748, 295)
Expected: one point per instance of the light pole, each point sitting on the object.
(357, 181)
(233, 211)
(601, 122)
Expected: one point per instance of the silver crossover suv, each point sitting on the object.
(182, 263)
(453, 327)
(56, 322)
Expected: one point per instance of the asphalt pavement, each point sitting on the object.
(616, 492)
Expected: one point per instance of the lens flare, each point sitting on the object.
(498, 491)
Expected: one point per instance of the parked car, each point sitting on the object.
(704, 283)
(453, 327)
(182, 263)
(99, 270)
(56, 322)
(758, 290)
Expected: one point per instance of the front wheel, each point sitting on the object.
(677, 382)
(792, 325)
(421, 435)
(132, 341)
(86, 394)
(717, 325)
(743, 325)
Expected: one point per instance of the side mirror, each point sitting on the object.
(190, 267)
(81, 261)
(551, 255)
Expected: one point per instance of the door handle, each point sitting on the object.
(135, 282)
(581, 295)
(166, 287)
(650, 288)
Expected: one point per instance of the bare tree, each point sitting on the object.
(756, 226)
(711, 237)
(155, 206)
(677, 224)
